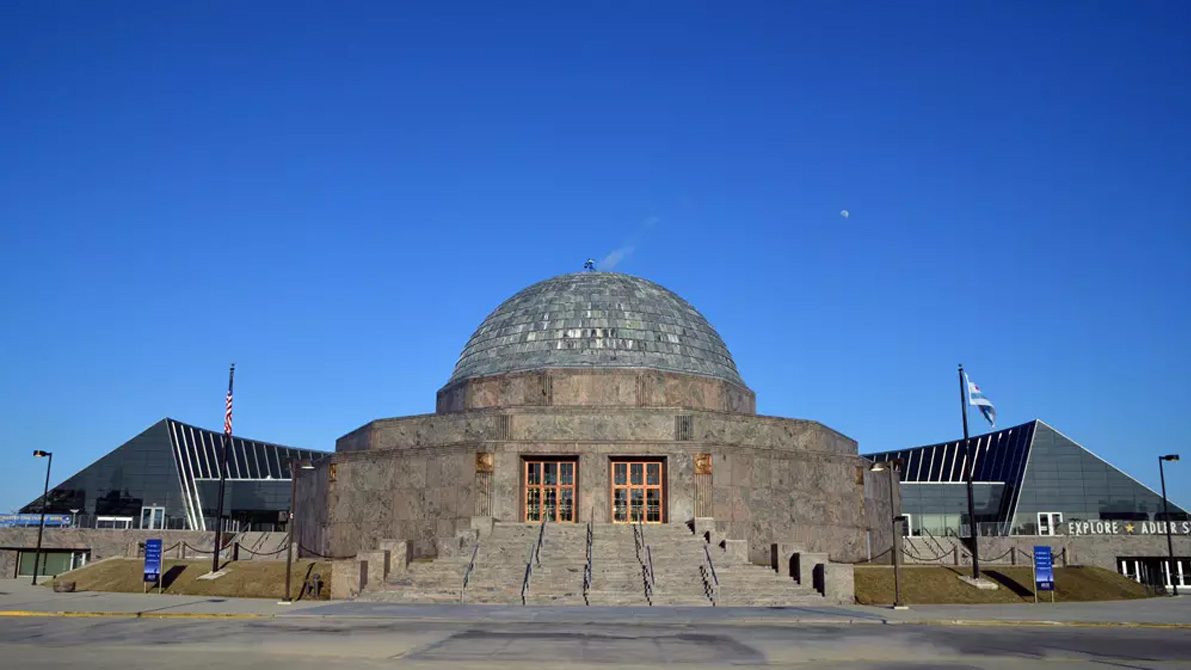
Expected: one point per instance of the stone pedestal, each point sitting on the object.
(781, 558)
(347, 578)
(705, 528)
(804, 566)
(481, 525)
(399, 556)
(838, 583)
(378, 567)
(737, 550)
(980, 583)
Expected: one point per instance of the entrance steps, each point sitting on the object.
(669, 568)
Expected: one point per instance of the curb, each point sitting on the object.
(135, 615)
(787, 623)
(1045, 624)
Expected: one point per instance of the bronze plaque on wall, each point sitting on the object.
(484, 462)
(703, 464)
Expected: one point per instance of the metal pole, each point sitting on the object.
(289, 545)
(41, 527)
(224, 444)
(897, 585)
(1170, 566)
(963, 403)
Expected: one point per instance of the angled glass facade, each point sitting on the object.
(167, 477)
(1027, 480)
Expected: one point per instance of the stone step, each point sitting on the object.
(671, 550)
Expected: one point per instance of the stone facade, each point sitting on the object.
(596, 387)
(772, 479)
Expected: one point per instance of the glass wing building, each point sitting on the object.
(168, 478)
(1027, 480)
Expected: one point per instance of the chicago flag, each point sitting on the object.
(975, 397)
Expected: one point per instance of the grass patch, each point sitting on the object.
(244, 579)
(936, 585)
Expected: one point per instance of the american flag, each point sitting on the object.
(227, 416)
(227, 413)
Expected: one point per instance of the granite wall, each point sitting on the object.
(566, 387)
(592, 424)
(772, 479)
(358, 498)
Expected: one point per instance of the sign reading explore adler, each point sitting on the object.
(153, 561)
(1127, 527)
(1044, 571)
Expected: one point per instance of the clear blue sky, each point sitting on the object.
(333, 195)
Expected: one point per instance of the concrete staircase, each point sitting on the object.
(647, 565)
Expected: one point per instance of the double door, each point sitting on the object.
(637, 491)
(550, 490)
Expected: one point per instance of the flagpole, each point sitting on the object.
(969, 457)
(224, 443)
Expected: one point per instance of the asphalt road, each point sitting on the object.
(296, 644)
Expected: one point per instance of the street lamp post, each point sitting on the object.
(294, 466)
(895, 550)
(44, 501)
(1170, 566)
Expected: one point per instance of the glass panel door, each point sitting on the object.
(637, 491)
(550, 490)
(153, 518)
(1049, 522)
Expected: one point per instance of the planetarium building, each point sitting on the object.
(599, 397)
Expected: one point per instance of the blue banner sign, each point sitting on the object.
(1044, 569)
(34, 520)
(152, 560)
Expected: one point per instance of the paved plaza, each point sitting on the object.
(41, 629)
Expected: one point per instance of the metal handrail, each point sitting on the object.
(467, 573)
(535, 556)
(587, 570)
(649, 553)
(710, 564)
(646, 562)
(538, 549)
(708, 589)
(932, 538)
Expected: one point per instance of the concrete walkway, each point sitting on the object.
(19, 598)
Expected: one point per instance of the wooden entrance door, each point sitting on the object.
(550, 490)
(637, 491)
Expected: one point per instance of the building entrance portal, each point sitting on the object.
(550, 490)
(637, 491)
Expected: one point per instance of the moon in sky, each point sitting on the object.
(845, 213)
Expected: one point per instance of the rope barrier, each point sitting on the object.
(186, 546)
(911, 554)
(992, 560)
(262, 553)
(869, 560)
(329, 558)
